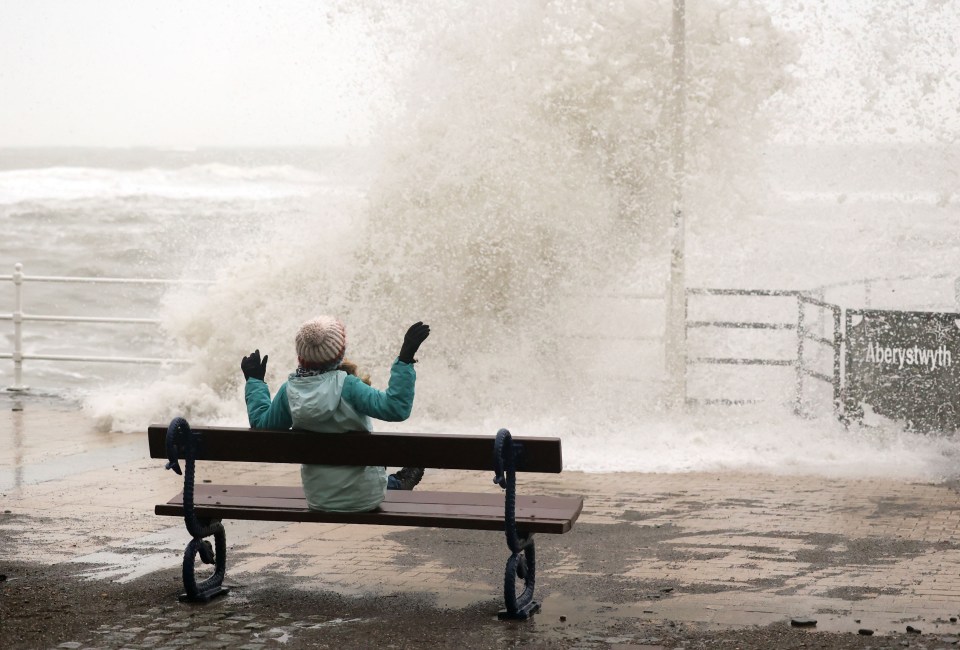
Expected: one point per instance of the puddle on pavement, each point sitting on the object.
(156, 552)
(136, 558)
(50, 469)
(122, 567)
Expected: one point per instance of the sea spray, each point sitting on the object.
(878, 72)
(521, 179)
(517, 190)
(527, 178)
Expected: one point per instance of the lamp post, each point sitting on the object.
(675, 338)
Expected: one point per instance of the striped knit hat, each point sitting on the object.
(322, 342)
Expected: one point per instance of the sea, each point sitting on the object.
(524, 195)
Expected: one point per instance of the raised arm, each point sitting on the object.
(396, 403)
(391, 405)
(261, 412)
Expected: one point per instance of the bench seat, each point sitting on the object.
(470, 510)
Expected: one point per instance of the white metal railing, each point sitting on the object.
(872, 286)
(18, 316)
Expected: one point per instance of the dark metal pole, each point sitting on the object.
(837, 350)
(676, 297)
(801, 334)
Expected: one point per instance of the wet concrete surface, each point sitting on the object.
(656, 560)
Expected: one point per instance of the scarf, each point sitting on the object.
(311, 372)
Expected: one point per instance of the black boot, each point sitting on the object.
(408, 477)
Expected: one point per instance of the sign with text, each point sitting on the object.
(905, 365)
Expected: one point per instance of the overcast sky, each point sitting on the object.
(243, 72)
(172, 73)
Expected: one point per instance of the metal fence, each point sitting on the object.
(18, 316)
(880, 291)
(805, 335)
(834, 342)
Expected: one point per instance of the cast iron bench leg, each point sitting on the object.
(523, 561)
(522, 565)
(212, 586)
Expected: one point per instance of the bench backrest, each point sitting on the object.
(433, 450)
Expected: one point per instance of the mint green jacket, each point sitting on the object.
(334, 402)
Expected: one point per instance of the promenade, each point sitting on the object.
(655, 561)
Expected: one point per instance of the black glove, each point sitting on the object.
(417, 333)
(253, 367)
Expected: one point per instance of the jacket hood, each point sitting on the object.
(320, 394)
(316, 405)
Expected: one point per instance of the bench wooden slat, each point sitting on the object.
(400, 508)
(460, 510)
(396, 496)
(360, 448)
(525, 510)
(563, 504)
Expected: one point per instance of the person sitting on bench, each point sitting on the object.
(322, 396)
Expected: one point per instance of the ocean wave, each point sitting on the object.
(211, 181)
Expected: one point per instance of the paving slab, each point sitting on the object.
(656, 560)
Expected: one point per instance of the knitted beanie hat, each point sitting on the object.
(322, 341)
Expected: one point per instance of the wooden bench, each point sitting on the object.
(519, 517)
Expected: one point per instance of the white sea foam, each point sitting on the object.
(750, 439)
(213, 182)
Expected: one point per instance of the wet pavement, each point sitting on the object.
(656, 560)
